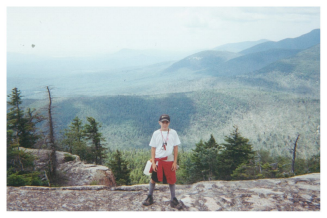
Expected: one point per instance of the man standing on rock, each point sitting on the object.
(164, 163)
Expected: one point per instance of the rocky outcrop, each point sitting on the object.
(74, 172)
(300, 193)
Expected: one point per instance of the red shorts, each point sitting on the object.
(168, 176)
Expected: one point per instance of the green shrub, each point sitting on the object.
(34, 181)
(69, 157)
(15, 180)
(94, 182)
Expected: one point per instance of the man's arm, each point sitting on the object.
(153, 155)
(174, 166)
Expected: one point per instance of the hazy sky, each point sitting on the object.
(75, 31)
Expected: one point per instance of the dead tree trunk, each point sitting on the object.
(53, 158)
(294, 153)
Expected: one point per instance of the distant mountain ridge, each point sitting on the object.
(239, 46)
(305, 62)
(298, 74)
(302, 42)
(271, 95)
(24, 65)
(203, 60)
(250, 62)
(223, 63)
(218, 63)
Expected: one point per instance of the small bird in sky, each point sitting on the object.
(33, 45)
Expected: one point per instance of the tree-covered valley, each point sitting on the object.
(270, 92)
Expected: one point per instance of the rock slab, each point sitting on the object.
(75, 172)
(300, 193)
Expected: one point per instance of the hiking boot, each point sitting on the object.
(175, 204)
(148, 201)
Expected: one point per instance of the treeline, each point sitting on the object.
(21, 131)
(269, 119)
(85, 141)
(236, 160)
(233, 160)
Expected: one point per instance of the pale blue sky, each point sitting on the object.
(63, 31)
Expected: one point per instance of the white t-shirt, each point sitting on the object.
(157, 141)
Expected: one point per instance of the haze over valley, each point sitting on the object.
(269, 89)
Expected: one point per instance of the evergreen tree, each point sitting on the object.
(92, 133)
(196, 164)
(74, 137)
(21, 131)
(236, 151)
(118, 166)
(212, 151)
(203, 161)
(314, 164)
(77, 128)
(245, 172)
(22, 127)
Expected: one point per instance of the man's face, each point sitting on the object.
(164, 124)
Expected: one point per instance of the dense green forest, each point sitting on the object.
(270, 120)
(232, 158)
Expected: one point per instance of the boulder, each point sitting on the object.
(75, 172)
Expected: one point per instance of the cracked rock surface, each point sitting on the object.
(300, 193)
(75, 172)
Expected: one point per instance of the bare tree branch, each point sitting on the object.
(53, 158)
(294, 153)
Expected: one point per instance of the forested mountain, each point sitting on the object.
(270, 120)
(240, 46)
(300, 74)
(271, 95)
(254, 61)
(305, 62)
(218, 63)
(193, 73)
(202, 60)
(302, 42)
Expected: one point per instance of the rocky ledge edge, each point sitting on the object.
(299, 193)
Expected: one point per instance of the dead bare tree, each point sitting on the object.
(294, 153)
(53, 157)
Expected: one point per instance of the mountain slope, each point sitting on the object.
(240, 46)
(202, 60)
(302, 42)
(306, 62)
(250, 62)
(268, 119)
(213, 63)
(299, 74)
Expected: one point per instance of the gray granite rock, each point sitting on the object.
(76, 172)
(300, 193)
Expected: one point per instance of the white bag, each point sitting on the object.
(147, 168)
